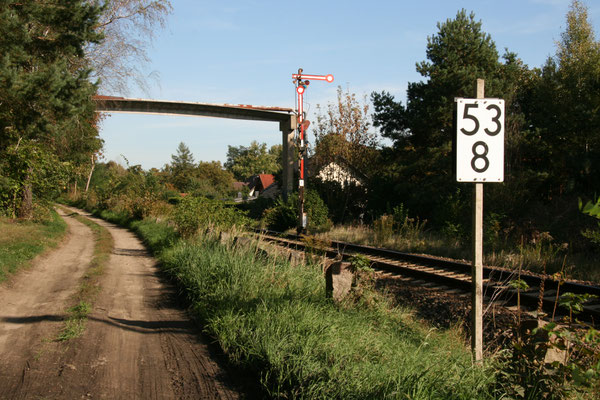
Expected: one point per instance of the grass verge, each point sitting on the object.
(83, 300)
(21, 242)
(273, 321)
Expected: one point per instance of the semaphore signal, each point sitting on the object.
(302, 81)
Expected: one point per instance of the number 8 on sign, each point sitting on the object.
(480, 140)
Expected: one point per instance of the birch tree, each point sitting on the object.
(128, 26)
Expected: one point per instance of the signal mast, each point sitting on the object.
(302, 81)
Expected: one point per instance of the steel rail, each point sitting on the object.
(455, 274)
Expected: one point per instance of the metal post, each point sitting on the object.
(302, 222)
(477, 273)
(302, 81)
(287, 129)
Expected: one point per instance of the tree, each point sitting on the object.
(342, 132)
(128, 27)
(575, 134)
(422, 130)
(182, 168)
(213, 179)
(343, 137)
(45, 93)
(244, 161)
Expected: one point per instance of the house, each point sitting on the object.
(339, 171)
(257, 184)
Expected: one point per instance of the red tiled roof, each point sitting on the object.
(266, 180)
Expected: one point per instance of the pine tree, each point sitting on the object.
(422, 130)
(182, 168)
(45, 93)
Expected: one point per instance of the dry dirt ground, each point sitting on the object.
(138, 342)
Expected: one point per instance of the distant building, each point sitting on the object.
(339, 171)
(263, 185)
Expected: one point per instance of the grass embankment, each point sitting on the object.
(274, 321)
(21, 242)
(90, 285)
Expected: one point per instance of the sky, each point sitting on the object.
(245, 52)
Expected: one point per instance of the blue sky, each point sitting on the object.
(244, 52)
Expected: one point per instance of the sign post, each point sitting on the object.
(302, 81)
(479, 159)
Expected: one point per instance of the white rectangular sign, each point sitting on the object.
(480, 140)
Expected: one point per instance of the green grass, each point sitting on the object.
(21, 242)
(75, 323)
(157, 236)
(275, 321)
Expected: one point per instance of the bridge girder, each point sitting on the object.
(286, 118)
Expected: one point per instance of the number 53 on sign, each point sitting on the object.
(480, 140)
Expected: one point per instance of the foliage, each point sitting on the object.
(346, 203)
(360, 262)
(342, 132)
(216, 179)
(207, 179)
(246, 161)
(422, 129)
(29, 163)
(553, 361)
(592, 209)
(193, 213)
(284, 214)
(181, 168)
(21, 241)
(344, 141)
(45, 87)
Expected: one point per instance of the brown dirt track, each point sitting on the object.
(138, 343)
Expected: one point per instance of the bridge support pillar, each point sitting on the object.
(287, 127)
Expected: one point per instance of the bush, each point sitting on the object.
(284, 214)
(194, 212)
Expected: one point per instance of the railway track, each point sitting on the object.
(453, 275)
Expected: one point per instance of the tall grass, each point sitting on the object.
(538, 255)
(275, 321)
(412, 238)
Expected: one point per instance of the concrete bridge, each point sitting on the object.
(286, 118)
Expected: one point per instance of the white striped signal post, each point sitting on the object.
(302, 81)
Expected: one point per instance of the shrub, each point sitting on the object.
(284, 214)
(193, 212)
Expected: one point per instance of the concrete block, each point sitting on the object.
(338, 280)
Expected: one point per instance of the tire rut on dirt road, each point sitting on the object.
(138, 343)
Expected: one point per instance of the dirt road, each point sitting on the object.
(138, 343)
